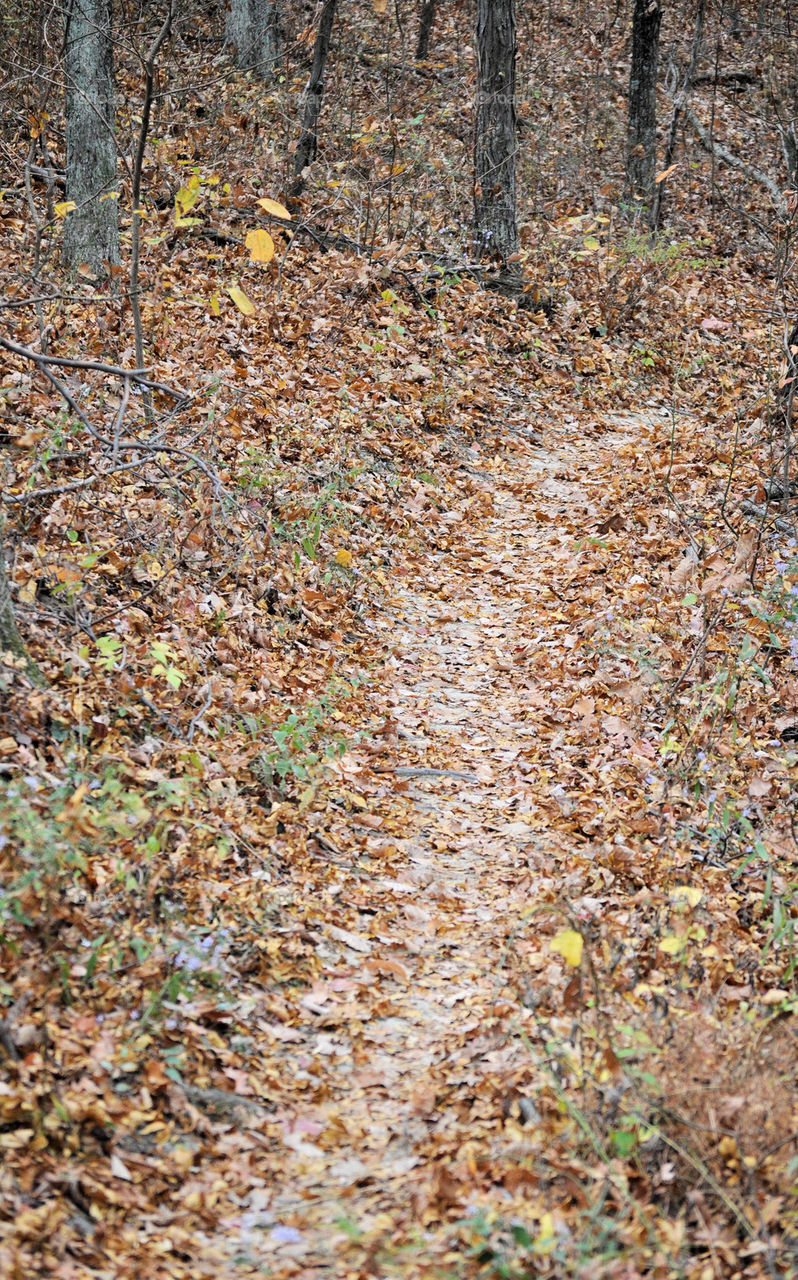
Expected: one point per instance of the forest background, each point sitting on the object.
(284, 372)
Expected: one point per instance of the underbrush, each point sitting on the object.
(664, 1144)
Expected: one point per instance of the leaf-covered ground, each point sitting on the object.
(399, 864)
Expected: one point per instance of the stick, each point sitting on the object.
(762, 513)
(67, 362)
(723, 153)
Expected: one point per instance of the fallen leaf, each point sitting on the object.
(261, 249)
(119, 1169)
(569, 944)
(241, 300)
(353, 940)
(274, 207)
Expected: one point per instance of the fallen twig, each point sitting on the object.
(763, 513)
(722, 153)
(117, 371)
(421, 771)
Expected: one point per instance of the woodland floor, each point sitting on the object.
(420, 1038)
(399, 862)
(426, 1036)
(484, 995)
(440, 1015)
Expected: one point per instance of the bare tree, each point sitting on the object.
(495, 219)
(252, 30)
(10, 639)
(308, 143)
(91, 230)
(641, 138)
(425, 28)
(679, 107)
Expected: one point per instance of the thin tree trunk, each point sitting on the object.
(641, 138)
(91, 230)
(495, 219)
(252, 29)
(784, 407)
(679, 105)
(10, 639)
(309, 139)
(425, 28)
(149, 63)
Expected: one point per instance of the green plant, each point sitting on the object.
(38, 856)
(299, 747)
(644, 355)
(52, 829)
(163, 656)
(259, 470)
(305, 526)
(110, 649)
(303, 742)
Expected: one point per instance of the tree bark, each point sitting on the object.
(252, 30)
(641, 139)
(425, 28)
(309, 139)
(679, 105)
(495, 219)
(91, 230)
(10, 639)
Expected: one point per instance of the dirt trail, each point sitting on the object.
(420, 1046)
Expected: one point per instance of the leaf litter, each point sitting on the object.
(400, 867)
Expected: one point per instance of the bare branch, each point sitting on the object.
(117, 371)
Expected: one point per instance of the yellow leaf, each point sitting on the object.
(273, 207)
(343, 557)
(686, 893)
(672, 945)
(307, 797)
(351, 797)
(591, 243)
(214, 305)
(260, 245)
(63, 208)
(187, 197)
(568, 943)
(545, 1240)
(241, 300)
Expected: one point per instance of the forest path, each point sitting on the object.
(415, 1047)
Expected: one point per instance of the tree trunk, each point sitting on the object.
(309, 139)
(495, 221)
(10, 639)
(91, 230)
(252, 29)
(783, 411)
(679, 105)
(425, 28)
(641, 139)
